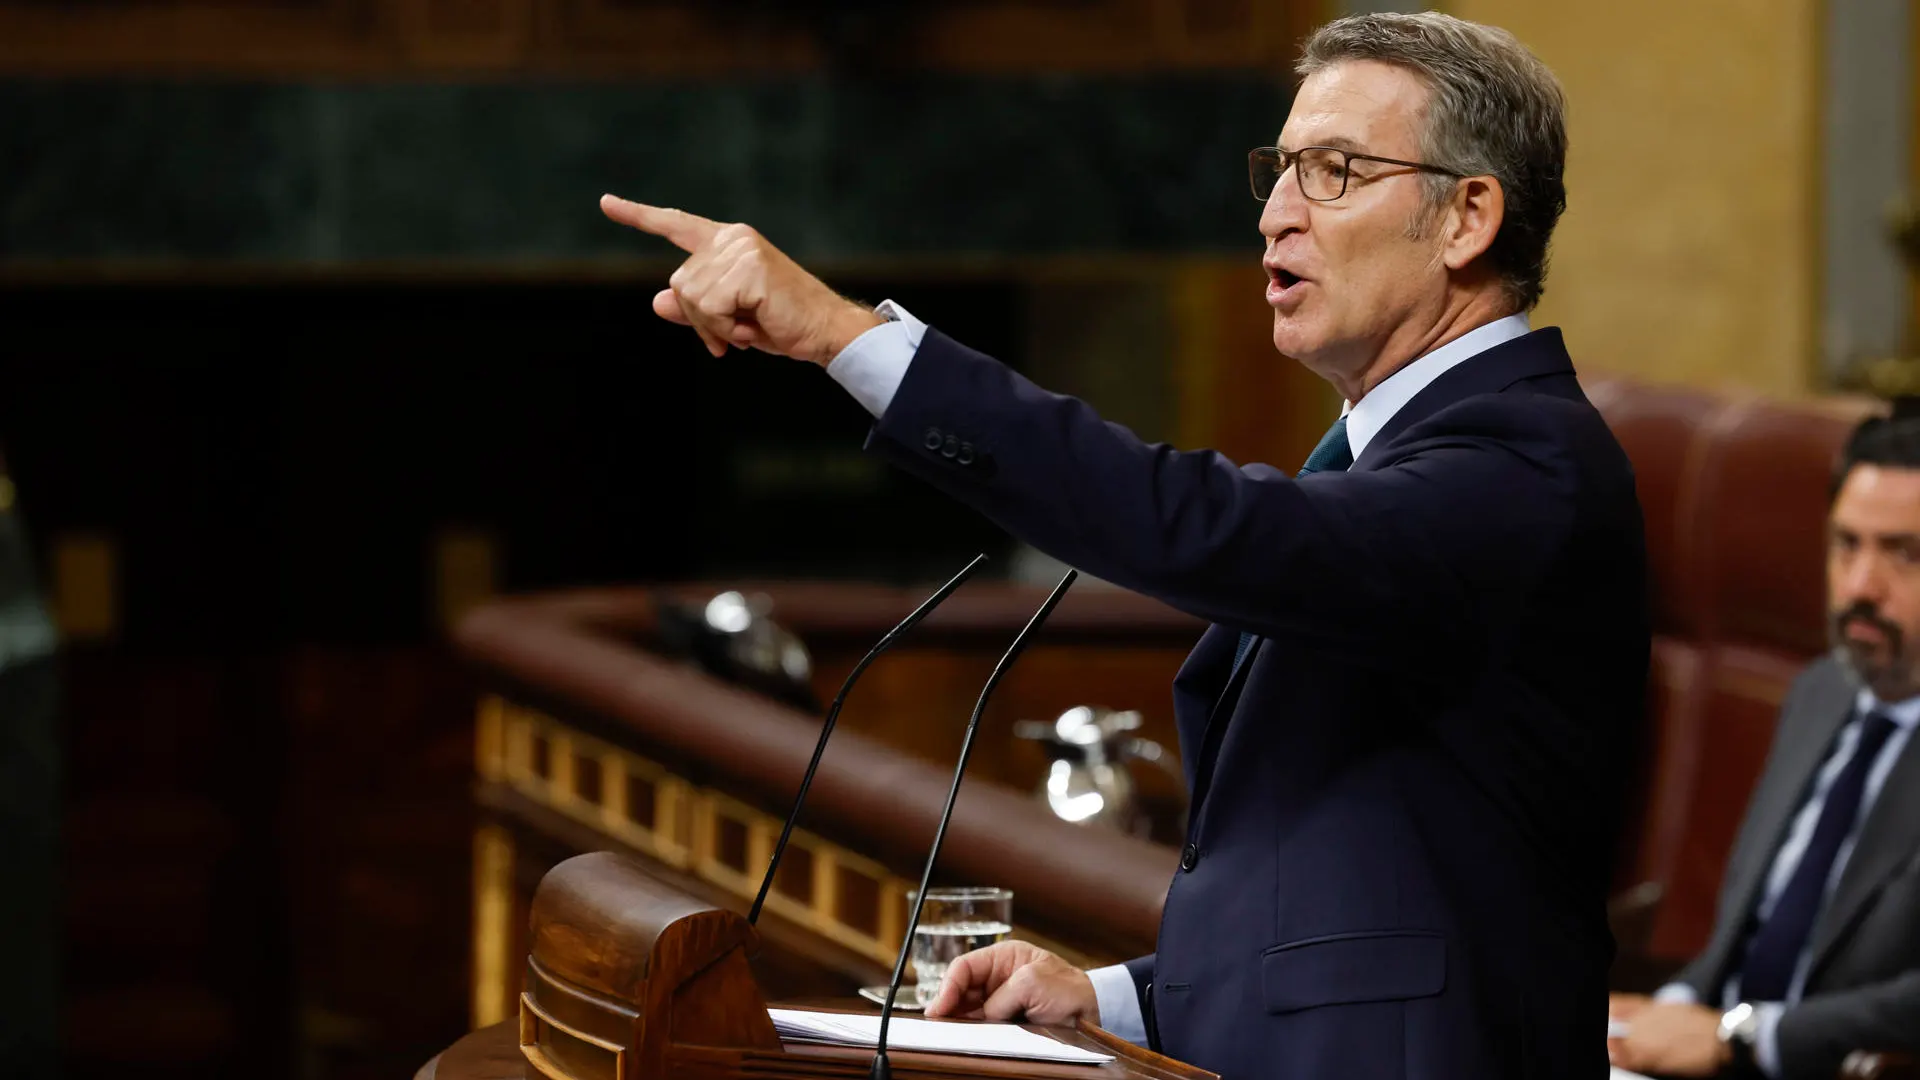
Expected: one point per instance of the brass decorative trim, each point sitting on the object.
(687, 823)
(492, 923)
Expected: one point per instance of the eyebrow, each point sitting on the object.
(1337, 142)
(1882, 539)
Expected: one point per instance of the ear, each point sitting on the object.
(1479, 206)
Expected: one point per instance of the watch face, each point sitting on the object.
(1737, 1024)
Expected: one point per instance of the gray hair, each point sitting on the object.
(1493, 109)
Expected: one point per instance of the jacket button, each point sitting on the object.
(1189, 858)
(951, 448)
(932, 439)
(966, 454)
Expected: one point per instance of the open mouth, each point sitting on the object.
(1280, 286)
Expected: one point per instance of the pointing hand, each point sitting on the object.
(737, 289)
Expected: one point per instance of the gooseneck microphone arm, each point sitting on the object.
(833, 714)
(882, 1069)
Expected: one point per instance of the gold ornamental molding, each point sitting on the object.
(848, 899)
(845, 897)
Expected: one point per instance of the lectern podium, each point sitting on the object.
(628, 979)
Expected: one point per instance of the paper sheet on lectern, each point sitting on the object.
(979, 1040)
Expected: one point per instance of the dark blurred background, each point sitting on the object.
(312, 337)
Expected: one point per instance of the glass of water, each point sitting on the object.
(955, 922)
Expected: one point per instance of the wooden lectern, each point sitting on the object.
(630, 980)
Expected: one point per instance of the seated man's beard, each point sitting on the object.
(1885, 667)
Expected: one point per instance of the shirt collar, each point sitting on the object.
(1370, 414)
(1904, 714)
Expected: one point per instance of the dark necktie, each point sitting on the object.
(1775, 950)
(1332, 455)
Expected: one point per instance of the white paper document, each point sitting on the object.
(979, 1040)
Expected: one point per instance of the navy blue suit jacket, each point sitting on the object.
(1403, 803)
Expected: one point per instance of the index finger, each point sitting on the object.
(969, 972)
(688, 232)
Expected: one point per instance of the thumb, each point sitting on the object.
(966, 976)
(667, 306)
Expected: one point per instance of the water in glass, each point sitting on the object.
(955, 922)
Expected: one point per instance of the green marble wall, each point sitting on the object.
(828, 167)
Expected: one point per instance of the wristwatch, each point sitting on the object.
(1739, 1029)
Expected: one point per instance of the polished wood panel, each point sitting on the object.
(493, 1053)
(693, 776)
(628, 978)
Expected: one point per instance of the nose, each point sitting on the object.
(1863, 576)
(1286, 209)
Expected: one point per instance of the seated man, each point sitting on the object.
(1816, 951)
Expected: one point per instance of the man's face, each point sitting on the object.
(1873, 578)
(1343, 276)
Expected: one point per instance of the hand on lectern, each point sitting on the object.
(1016, 981)
(736, 288)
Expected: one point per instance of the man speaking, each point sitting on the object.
(1405, 731)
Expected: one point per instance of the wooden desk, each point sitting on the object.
(492, 1053)
(592, 741)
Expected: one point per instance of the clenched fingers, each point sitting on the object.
(973, 977)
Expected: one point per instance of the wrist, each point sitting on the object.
(1738, 1030)
(1090, 996)
(846, 326)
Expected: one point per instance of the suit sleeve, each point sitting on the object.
(1460, 525)
(1816, 1035)
(1141, 968)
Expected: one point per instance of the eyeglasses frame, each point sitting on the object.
(1290, 159)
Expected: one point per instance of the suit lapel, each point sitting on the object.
(1218, 717)
(1198, 689)
(1540, 353)
(1530, 356)
(1888, 838)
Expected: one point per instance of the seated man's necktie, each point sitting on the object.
(1773, 954)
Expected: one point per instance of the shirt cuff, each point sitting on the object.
(874, 365)
(1766, 1040)
(1119, 1003)
(1676, 993)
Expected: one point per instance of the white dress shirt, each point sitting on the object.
(1905, 716)
(874, 365)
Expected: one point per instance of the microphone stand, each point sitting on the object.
(882, 1068)
(833, 714)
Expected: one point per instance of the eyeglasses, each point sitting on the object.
(1322, 171)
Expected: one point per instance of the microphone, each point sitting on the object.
(882, 1069)
(833, 714)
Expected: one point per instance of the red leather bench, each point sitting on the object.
(1735, 494)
